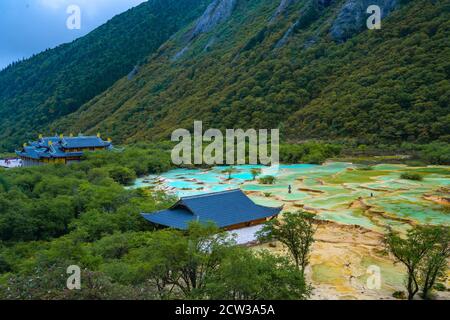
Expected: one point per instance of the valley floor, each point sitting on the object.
(340, 261)
(354, 207)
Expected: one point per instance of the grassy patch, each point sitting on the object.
(355, 176)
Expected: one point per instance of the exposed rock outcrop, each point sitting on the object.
(210, 44)
(310, 190)
(352, 17)
(286, 35)
(310, 42)
(216, 13)
(438, 199)
(309, 13)
(180, 53)
(359, 204)
(133, 73)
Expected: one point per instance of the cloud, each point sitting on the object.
(31, 26)
(91, 8)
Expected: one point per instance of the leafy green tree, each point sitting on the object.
(47, 202)
(93, 225)
(249, 275)
(114, 246)
(435, 263)
(206, 247)
(162, 259)
(50, 284)
(255, 172)
(296, 232)
(412, 251)
(122, 175)
(229, 171)
(4, 265)
(97, 175)
(436, 153)
(179, 264)
(4, 185)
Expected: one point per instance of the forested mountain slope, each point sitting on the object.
(310, 67)
(39, 90)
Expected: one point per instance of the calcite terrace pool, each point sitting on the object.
(371, 197)
(345, 194)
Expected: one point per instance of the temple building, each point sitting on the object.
(228, 210)
(60, 149)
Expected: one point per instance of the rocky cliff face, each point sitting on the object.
(310, 11)
(353, 15)
(216, 13)
(286, 35)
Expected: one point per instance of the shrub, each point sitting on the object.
(411, 176)
(122, 175)
(399, 295)
(440, 287)
(365, 168)
(267, 180)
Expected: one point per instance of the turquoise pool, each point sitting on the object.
(330, 190)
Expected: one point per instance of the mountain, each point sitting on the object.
(50, 85)
(309, 67)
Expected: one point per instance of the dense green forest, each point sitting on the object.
(376, 86)
(244, 63)
(54, 83)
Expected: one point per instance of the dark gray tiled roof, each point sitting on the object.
(53, 147)
(225, 209)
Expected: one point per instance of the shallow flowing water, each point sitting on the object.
(333, 191)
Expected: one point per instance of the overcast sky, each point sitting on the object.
(31, 26)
